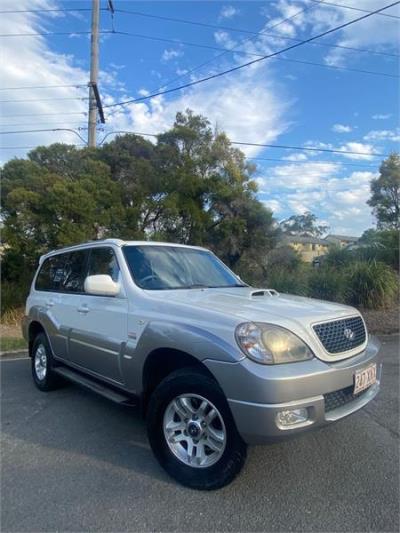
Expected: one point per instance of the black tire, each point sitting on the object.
(50, 380)
(194, 382)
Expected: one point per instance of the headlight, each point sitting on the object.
(269, 344)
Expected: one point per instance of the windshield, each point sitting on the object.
(170, 267)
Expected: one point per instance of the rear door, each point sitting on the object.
(100, 331)
(61, 281)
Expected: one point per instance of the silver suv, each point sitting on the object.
(213, 363)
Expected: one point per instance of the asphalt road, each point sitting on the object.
(72, 461)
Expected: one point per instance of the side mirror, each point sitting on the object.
(101, 285)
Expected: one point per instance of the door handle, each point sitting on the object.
(49, 303)
(83, 309)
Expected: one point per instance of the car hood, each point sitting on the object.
(262, 305)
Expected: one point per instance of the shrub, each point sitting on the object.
(338, 257)
(370, 284)
(13, 296)
(288, 282)
(327, 284)
(381, 246)
(284, 257)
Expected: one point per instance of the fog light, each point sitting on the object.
(291, 417)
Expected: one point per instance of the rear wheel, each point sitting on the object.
(43, 374)
(192, 432)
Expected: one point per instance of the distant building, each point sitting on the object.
(309, 248)
(341, 240)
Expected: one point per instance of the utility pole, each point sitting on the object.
(94, 70)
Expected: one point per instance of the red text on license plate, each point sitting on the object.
(364, 378)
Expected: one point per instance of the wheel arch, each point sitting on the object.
(163, 361)
(35, 327)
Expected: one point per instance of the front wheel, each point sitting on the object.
(192, 432)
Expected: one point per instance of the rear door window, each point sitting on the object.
(63, 272)
(51, 273)
(75, 271)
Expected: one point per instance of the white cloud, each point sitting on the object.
(367, 149)
(364, 151)
(341, 128)
(376, 32)
(247, 105)
(171, 53)
(333, 194)
(31, 63)
(261, 118)
(302, 176)
(273, 204)
(228, 12)
(224, 39)
(381, 116)
(383, 135)
(297, 156)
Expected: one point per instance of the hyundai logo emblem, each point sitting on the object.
(349, 334)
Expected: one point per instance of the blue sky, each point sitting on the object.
(275, 102)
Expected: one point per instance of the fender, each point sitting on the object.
(197, 342)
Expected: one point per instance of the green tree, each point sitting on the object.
(191, 186)
(44, 207)
(385, 194)
(305, 224)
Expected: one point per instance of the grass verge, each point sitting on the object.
(8, 344)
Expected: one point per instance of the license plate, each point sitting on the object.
(364, 378)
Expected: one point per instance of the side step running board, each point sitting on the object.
(94, 386)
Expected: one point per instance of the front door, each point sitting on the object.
(100, 330)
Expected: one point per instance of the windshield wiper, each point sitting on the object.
(202, 286)
(227, 286)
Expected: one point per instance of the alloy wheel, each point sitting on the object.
(194, 430)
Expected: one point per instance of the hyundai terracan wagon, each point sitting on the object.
(213, 363)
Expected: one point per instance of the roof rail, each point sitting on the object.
(117, 242)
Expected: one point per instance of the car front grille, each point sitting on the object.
(341, 397)
(341, 335)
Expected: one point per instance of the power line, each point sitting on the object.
(254, 61)
(241, 30)
(62, 10)
(20, 125)
(44, 99)
(253, 54)
(47, 33)
(240, 143)
(261, 145)
(308, 148)
(41, 87)
(321, 2)
(42, 131)
(335, 67)
(205, 63)
(42, 114)
(288, 162)
(126, 11)
(32, 146)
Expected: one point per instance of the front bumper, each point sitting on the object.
(257, 393)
